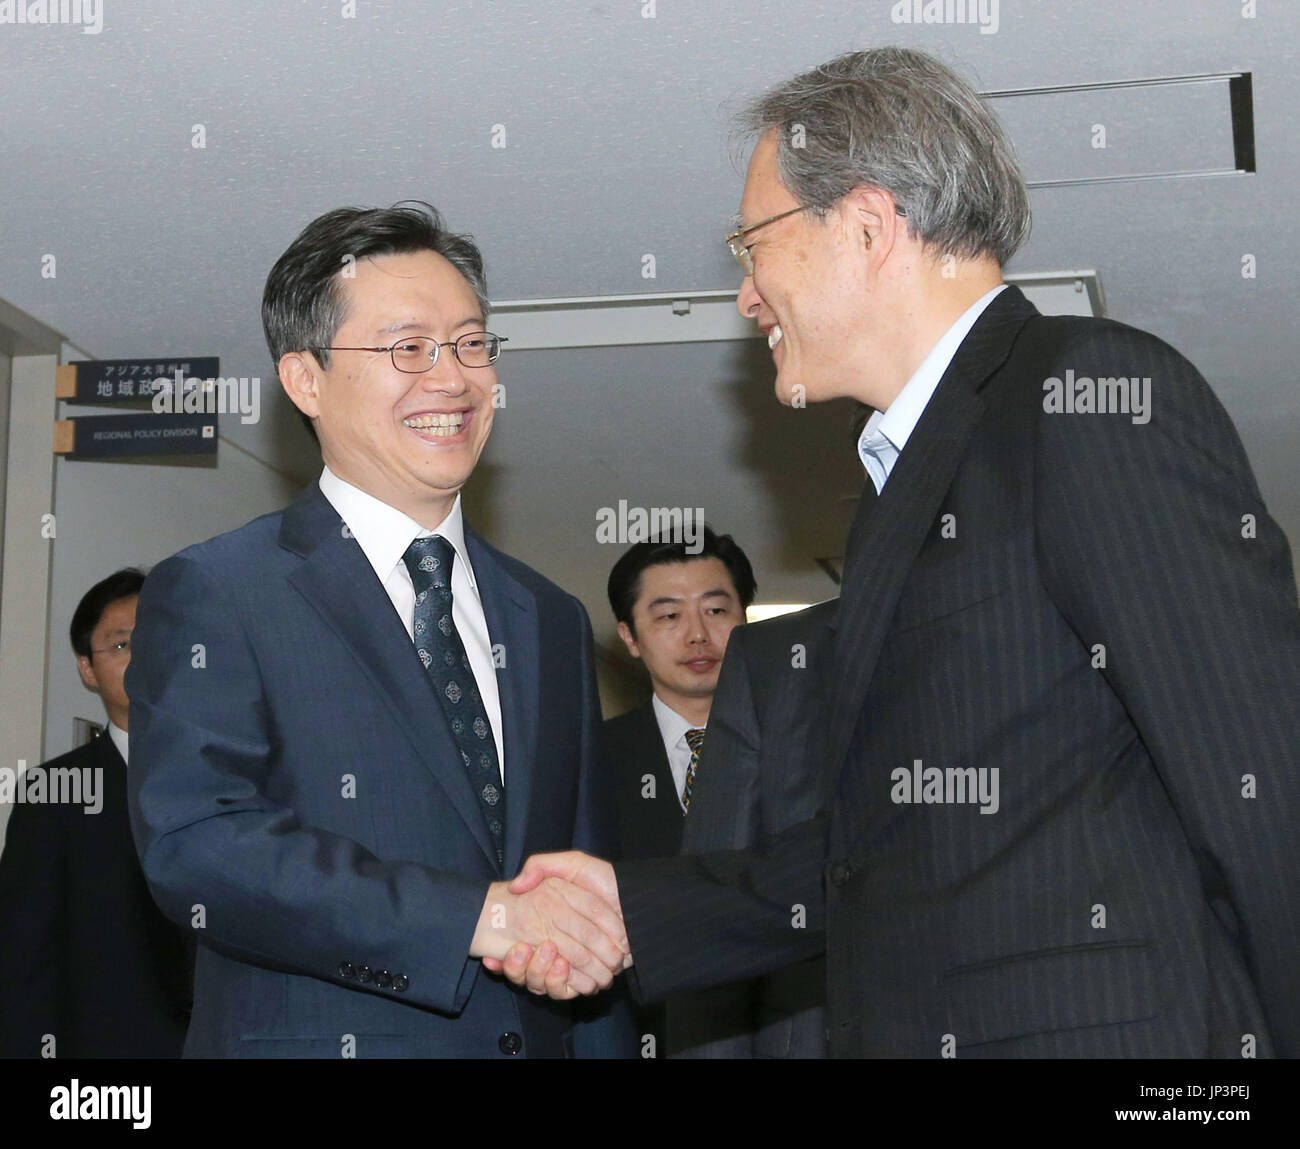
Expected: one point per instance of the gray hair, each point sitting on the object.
(899, 120)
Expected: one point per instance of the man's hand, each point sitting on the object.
(592, 874)
(560, 918)
(545, 969)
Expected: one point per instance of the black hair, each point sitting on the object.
(125, 583)
(625, 579)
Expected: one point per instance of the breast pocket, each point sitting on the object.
(939, 591)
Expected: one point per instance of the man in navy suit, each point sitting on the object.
(1061, 726)
(353, 719)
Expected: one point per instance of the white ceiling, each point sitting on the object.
(618, 145)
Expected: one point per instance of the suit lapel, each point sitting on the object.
(512, 621)
(107, 753)
(667, 815)
(889, 530)
(826, 637)
(338, 581)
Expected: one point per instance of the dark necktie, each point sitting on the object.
(439, 646)
(695, 740)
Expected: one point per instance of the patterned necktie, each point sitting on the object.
(695, 740)
(438, 644)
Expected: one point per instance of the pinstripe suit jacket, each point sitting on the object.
(1103, 611)
(760, 772)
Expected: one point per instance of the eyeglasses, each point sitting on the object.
(418, 353)
(123, 647)
(741, 251)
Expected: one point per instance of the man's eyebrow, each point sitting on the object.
(672, 600)
(663, 600)
(412, 325)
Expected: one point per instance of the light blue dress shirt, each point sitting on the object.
(887, 432)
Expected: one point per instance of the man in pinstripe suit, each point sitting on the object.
(1062, 734)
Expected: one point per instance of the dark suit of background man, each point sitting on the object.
(760, 774)
(353, 718)
(1092, 602)
(89, 966)
(676, 603)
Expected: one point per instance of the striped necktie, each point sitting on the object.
(695, 740)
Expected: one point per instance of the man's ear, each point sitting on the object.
(629, 639)
(298, 371)
(87, 671)
(873, 216)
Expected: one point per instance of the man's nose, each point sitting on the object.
(748, 301)
(446, 374)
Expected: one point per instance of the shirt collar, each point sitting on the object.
(118, 735)
(383, 532)
(672, 726)
(900, 420)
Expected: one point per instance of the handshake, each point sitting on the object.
(557, 928)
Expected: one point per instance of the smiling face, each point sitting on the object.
(684, 614)
(809, 287)
(409, 440)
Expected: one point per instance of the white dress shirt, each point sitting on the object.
(887, 432)
(383, 534)
(118, 735)
(673, 728)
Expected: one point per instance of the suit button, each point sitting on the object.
(401, 982)
(510, 1043)
(383, 979)
(346, 970)
(363, 974)
(841, 872)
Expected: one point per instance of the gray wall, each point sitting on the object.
(111, 515)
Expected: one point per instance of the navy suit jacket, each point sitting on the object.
(1102, 610)
(297, 797)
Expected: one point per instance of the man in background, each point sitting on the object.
(701, 768)
(89, 966)
(675, 611)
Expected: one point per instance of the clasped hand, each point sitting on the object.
(557, 928)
